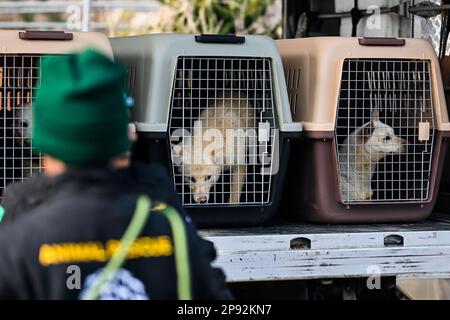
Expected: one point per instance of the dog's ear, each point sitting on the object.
(176, 149)
(367, 131)
(375, 115)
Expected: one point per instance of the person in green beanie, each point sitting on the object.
(92, 126)
(116, 223)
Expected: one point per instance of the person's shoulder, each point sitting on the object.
(20, 197)
(61, 216)
(36, 182)
(20, 231)
(35, 215)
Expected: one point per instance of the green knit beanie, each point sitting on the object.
(79, 114)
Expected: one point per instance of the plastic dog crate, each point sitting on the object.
(214, 111)
(375, 127)
(443, 200)
(19, 76)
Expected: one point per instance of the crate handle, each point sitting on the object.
(219, 38)
(394, 240)
(45, 35)
(381, 41)
(300, 243)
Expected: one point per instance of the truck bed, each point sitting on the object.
(290, 250)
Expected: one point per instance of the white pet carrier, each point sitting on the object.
(20, 57)
(214, 111)
(375, 123)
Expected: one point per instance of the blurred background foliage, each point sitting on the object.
(221, 17)
(182, 16)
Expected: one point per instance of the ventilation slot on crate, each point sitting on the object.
(224, 104)
(293, 84)
(385, 131)
(130, 78)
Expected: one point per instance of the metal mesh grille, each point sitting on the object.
(19, 76)
(385, 131)
(222, 130)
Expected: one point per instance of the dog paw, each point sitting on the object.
(367, 195)
(234, 198)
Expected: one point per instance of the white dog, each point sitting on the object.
(360, 153)
(223, 124)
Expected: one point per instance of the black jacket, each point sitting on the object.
(21, 197)
(71, 233)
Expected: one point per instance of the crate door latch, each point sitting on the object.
(424, 131)
(264, 131)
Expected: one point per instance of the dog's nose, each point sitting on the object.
(202, 198)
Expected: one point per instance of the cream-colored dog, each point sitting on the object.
(218, 144)
(360, 153)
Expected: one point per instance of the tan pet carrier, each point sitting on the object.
(20, 58)
(375, 122)
(443, 200)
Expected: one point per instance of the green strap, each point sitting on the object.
(2, 212)
(135, 227)
(181, 254)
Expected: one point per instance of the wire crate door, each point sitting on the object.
(19, 75)
(222, 130)
(385, 131)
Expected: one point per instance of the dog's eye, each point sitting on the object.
(387, 138)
